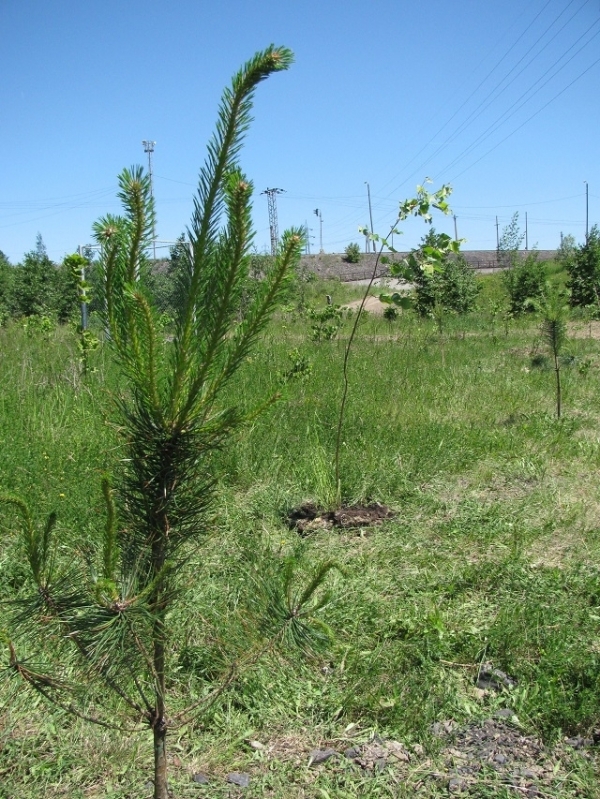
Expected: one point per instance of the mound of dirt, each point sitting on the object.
(308, 517)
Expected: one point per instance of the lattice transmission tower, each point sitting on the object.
(272, 198)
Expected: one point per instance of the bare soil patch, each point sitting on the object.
(309, 517)
(484, 754)
(584, 330)
(372, 305)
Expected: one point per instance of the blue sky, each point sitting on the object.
(498, 99)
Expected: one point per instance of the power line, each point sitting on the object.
(523, 99)
(464, 103)
(539, 111)
(484, 105)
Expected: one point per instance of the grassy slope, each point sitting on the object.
(493, 553)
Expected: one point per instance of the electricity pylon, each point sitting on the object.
(271, 196)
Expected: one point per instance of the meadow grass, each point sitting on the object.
(492, 554)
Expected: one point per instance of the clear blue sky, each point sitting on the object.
(498, 99)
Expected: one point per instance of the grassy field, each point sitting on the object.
(492, 556)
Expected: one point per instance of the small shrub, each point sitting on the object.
(352, 253)
(525, 282)
(326, 323)
(454, 287)
(300, 367)
(583, 266)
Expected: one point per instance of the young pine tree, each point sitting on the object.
(554, 310)
(101, 625)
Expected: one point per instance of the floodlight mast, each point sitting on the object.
(587, 208)
(370, 211)
(149, 148)
(273, 225)
(317, 213)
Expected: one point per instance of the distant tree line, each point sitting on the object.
(39, 287)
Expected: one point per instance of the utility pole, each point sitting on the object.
(526, 233)
(273, 227)
(320, 215)
(455, 229)
(586, 210)
(370, 212)
(497, 235)
(149, 148)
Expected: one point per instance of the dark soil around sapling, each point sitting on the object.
(309, 517)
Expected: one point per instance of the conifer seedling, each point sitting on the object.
(94, 635)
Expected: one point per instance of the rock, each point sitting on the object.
(236, 778)
(490, 678)
(397, 751)
(320, 756)
(531, 773)
(352, 752)
(441, 728)
(456, 785)
(256, 745)
(500, 758)
(575, 743)
(200, 779)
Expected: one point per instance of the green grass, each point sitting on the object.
(493, 553)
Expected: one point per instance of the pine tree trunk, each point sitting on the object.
(558, 391)
(160, 759)
(159, 607)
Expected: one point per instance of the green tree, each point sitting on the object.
(111, 611)
(6, 287)
(34, 287)
(67, 287)
(452, 285)
(352, 253)
(525, 281)
(565, 252)
(553, 306)
(524, 278)
(509, 243)
(584, 272)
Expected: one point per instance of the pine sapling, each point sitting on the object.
(99, 620)
(554, 309)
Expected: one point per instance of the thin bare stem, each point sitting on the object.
(338, 439)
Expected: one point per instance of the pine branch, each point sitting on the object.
(233, 120)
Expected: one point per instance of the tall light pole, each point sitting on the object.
(273, 224)
(149, 148)
(320, 215)
(586, 209)
(370, 212)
